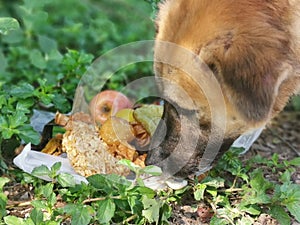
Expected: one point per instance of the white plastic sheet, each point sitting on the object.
(28, 160)
(246, 140)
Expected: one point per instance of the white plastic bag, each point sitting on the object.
(246, 140)
(28, 160)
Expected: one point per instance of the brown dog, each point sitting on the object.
(253, 50)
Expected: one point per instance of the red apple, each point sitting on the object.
(107, 103)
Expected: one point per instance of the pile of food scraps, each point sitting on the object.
(113, 130)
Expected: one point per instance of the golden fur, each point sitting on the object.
(251, 45)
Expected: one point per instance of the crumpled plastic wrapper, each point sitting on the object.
(28, 159)
(246, 140)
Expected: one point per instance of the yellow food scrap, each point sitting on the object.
(53, 147)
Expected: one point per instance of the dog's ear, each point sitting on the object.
(249, 69)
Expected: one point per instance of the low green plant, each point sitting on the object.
(105, 199)
(241, 198)
(246, 193)
(46, 53)
(17, 101)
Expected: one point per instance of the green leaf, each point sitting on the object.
(37, 216)
(280, 214)
(46, 98)
(80, 214)
(199, 193)
(275, 159)
(17, 119)
(151, 209)
(135, 204)
(28, 134)
(228, 213)
(109, 182)
(55, 168)
(24, 105)
(3, 122)
(293, 204)
(286, 176)
(3, 203)
(7, 133)
(37, 59)
(144, 191)
(7, 24)
(259, 187)
(251, 209)
(106, 211)
(27, 178)
(3, 197)
(133, 167)
(140, 182)
(290, 195)
(13, 220)
(3, 164)
(55, 55)
(212, 191)
(245, 220)
(294, 209)
(295, 162)
(51, 199)
(39, 204)
(61, 103)
(66, 180)
(46, 44)
(22, 91)
(2, 100)
(166, 213)
(41, 171)
(99, 181)
(3, 181)
(47, 190)
(14, 36)
(216, 182)
(152, 170)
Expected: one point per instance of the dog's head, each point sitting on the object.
(247, 55)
